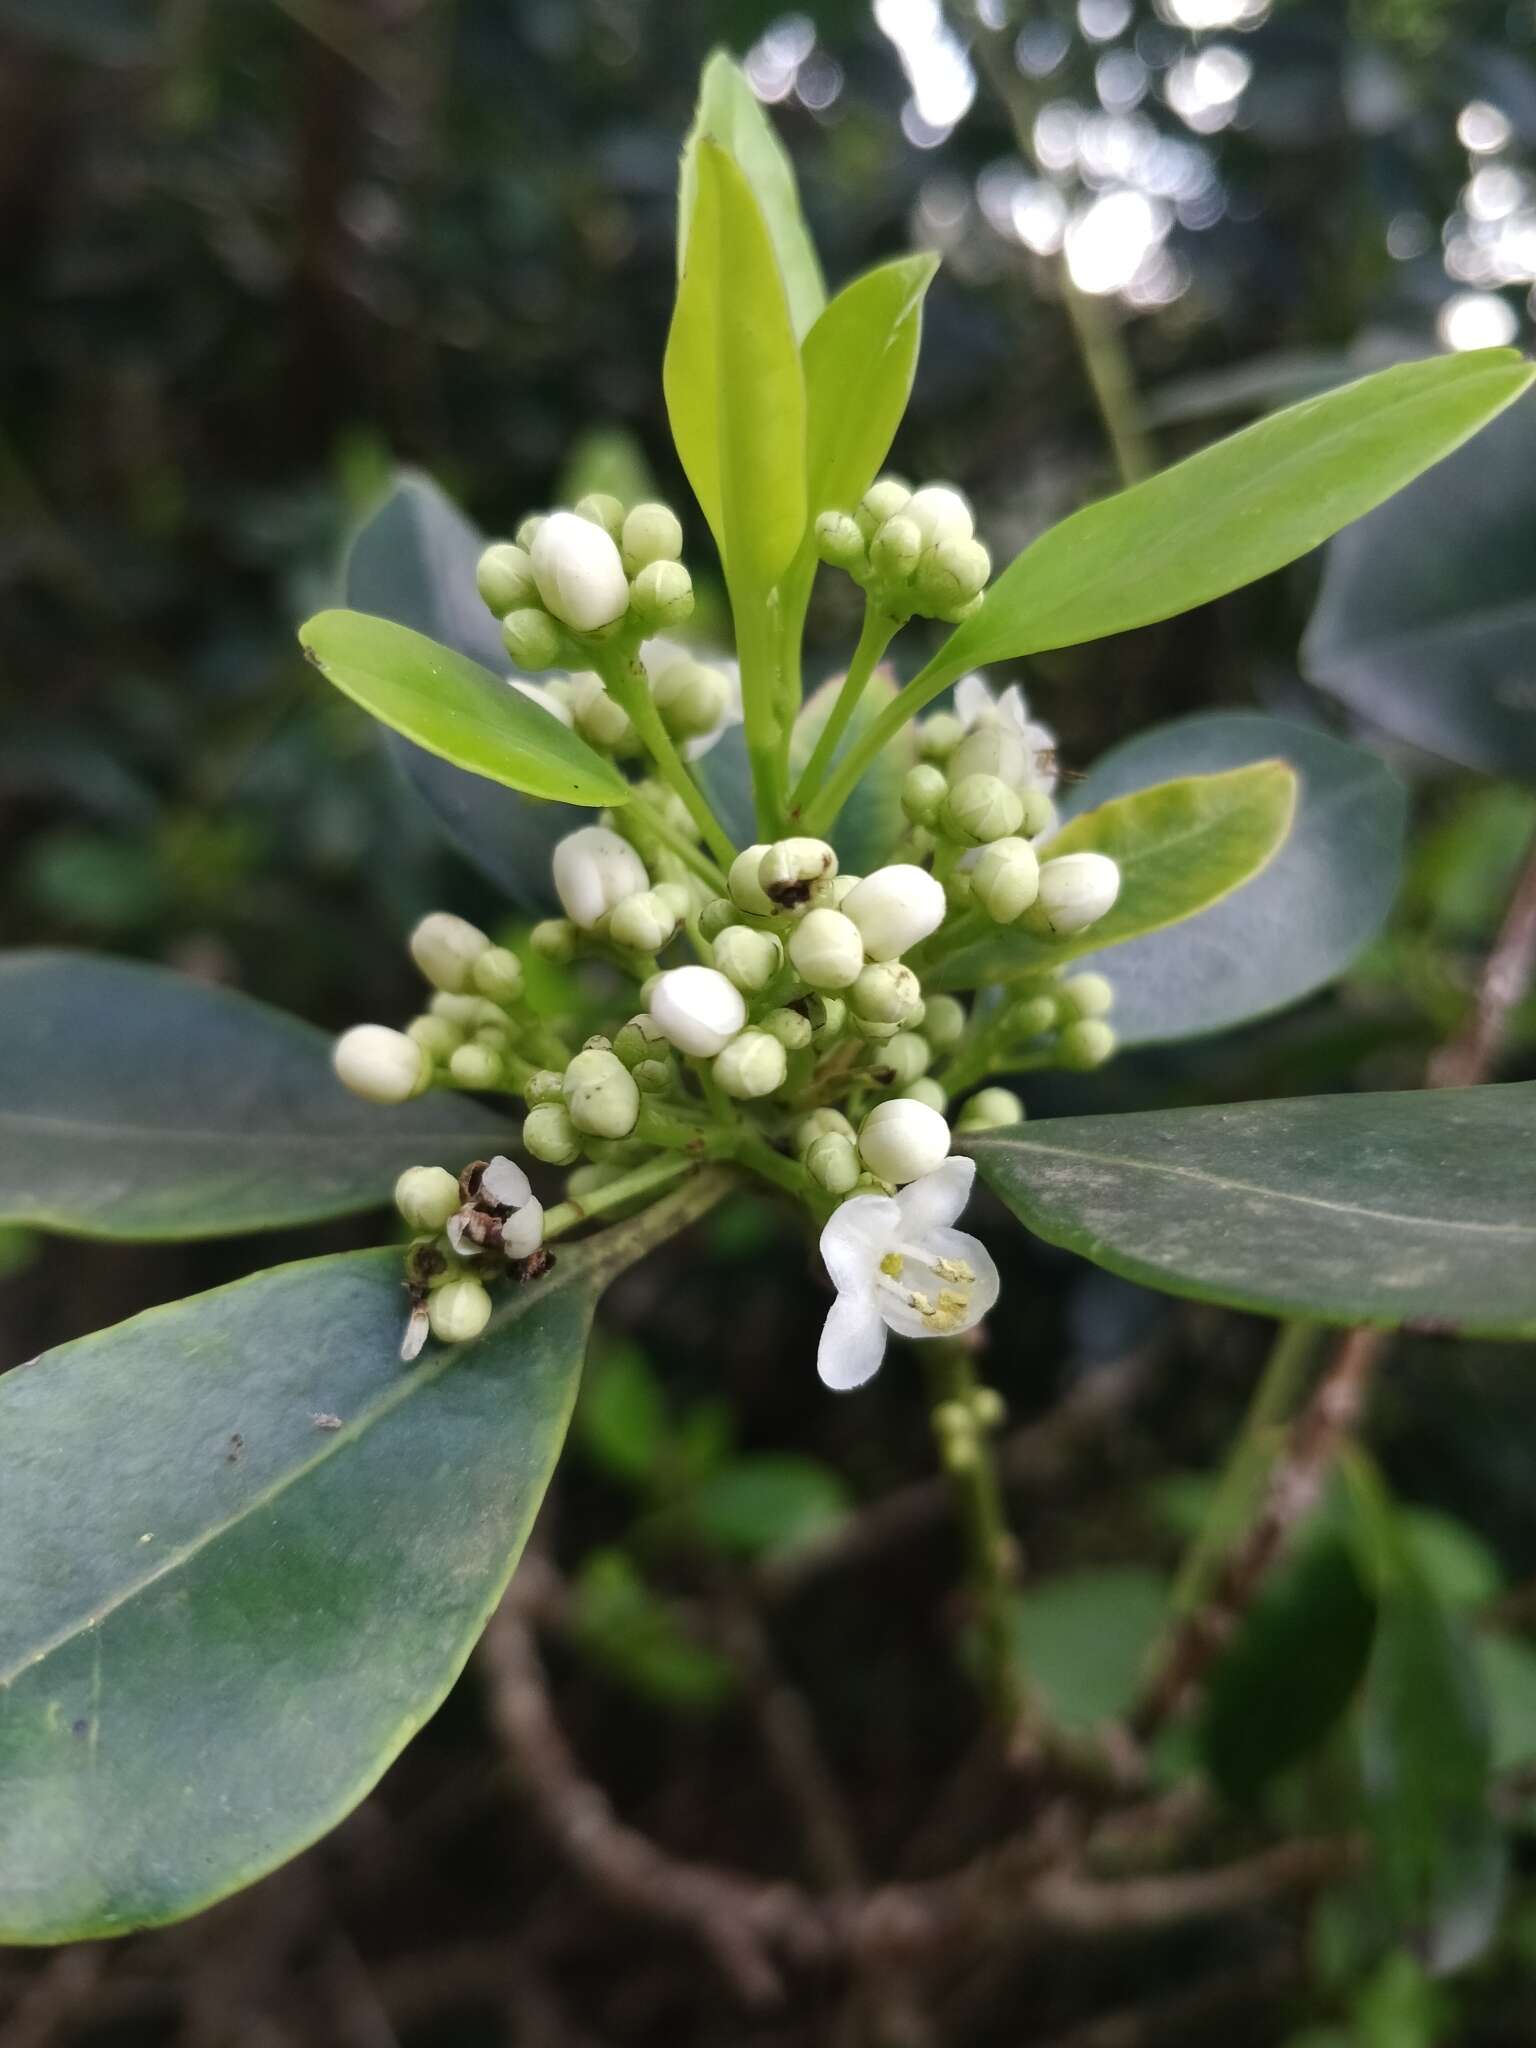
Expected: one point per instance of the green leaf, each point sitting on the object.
(1319, 902)
(1382, 1209)
(136, 1103)
(859, 361)
(622, 1417)
(1507, 1667)
(1238, 510)
(734, 389)
(248, 1552)
(1180, 847)
(413, 561)
(1423, 625)
(730, 113)
(453, 707)
(642, 1640)
(767, 1503)
(1083, 1640)
(871, 821)
(1453, 1560)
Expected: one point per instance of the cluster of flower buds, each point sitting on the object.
(573, 579)
(913, 551)
(469, 1231)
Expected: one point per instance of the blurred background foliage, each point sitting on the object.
(258, 253)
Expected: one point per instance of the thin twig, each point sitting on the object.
(1472, 1055)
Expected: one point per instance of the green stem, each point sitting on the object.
(757, 650)
(878, 735)
(675, 841)
(875, 635)
(626, 682)
(656, 1173)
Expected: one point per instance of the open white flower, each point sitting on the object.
(658, 654)
(975, 707)
(898, 1264)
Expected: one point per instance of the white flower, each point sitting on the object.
(522, 1230)
(580, 576)
(897, 1264)
(594, 871)
(697, 1010)
(976, 708)
(545, 698)
(895, 908)
(658, 654)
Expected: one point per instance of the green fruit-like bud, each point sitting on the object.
(882, 501)
(894, 551)
(465, 1013)
(981, 808)
(1086, 1044)
(795, 872)
(886, 992)
(498, 974)
(651, 533)
(944, 1022)
(436, 1036)
(497, 1036)
(458, 1310)
(749, 958)
(532, 639)
(840, 543)
(642, 923)
(1088, 995)
(475, 1066)
(938, 736)
(790, 1028)
(600, 719)
(504, 579)
(923, 791)
(989, 1408)
(662, 594)
(952, 572)
(991, 1109)
(752, 1065)
(445, 948)
(903, 1060)
(1039, 813)
(426, 1197)
(718, 913)
(554, 939)
(829, 1017)
(655, 1077)
(640, 1039)
(1005, 879)
(691, 698)
(528, 532)
(819, 1124)
(543, 1086)
(833, 1163)
(602, 510)
(745, 888)
(926, 1090)
(549, 1134)
(1030, 1017)
(601, 1095)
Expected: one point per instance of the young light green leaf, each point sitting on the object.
(1180, 847)
(1381, 1209)
(1237, 510)
(734, 389)
(248, 1553)
(139, 1104)
(859, 361)
(453, 707)
(1084, 1639)
(730, 113)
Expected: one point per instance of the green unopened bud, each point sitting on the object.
(873, 1028)
(717, 914)
(883, 500)
(601, 1095)
(1030, 1017)
(545, 1085)
(886, 992)
(752, 1065)
(1039, 813)
(603, 510)
(749, 958)
(600, 719)
(826, 949)
(829, 1018)
(990, 1109)
(1088, 995)
(691, 698)
(651, 533)
(957, 614)
(436, 1036)
(989, 1408)
(554, 939)
(655, 1077)
(532, 639)
(458, 1310)
(795, 872)
(549, 1134)
(903, 1059)
(926, 1090)
(833, 1163)
(938, 736)
(498, 974)
(475, 1066)
(504, 579)
(923, 791)
(894, 551)
(466, 1013)
(528, 532)
(840, 543)
(817, 1124)
(1086, 1044)
(642, 923)
(445, 948)
(426, 1197)
(640, 1039)
(981, 808)
(952, 572)
(745, 888)
(790, 1027)
(944, 1022)
(662, 594)
(1005, 879)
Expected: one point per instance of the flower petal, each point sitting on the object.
(855, 1240)
(935, 1200)
(973, 700)
(1011, 708)
(852, 1343)
(505, 1182)
(969, 1251)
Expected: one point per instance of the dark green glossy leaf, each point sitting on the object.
(1180, 847)
(859, 361)
(451, 706)
(1382, 1209)
(136, 1103)
(1318, 903)
(766, 1503)
(1425, 619)
(1237, 510)
(1083, 1640)
(247, 1554)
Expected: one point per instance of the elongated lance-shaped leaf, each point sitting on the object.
(1381, 1209)
(859, 360)
(1237, 510)
(453, 707)
(136, 1103)
(1180, 847)
(248, 1552)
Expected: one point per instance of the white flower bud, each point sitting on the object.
(475, 1066)
(498, 974)
(752, 1065)
(1088, 995)
(882, 501)
(580, 576)
(1039, 814)
(678, 897)
(545, 1085)
(896, 908)
(549, 1134)
(903, 1060)
(828, 1015)
(873, 1029)
(698, 1010)
(1005, 879)
(532, 639)
(795, 872)
(1086, 1044)
(554, 938)
(923, 791)
(528, 532)
(662, 594)
(748, 958)
(938, 736)
(458, 1310)
(832, 1161)
(594, 869)
(691, 698)
(894, 551)
(843, 886)
(982, 808)
(746, 890)
(990, 1109)
(790, 1027)
(886, 992)
(602, 509)
(505, 580)
(900, 1141)
(651, 533)
(993, 749)
(642, 923)
(600, 719)
(437, 1036)
(1076, 890)
(939, 514)
(601, 1096)
(840, 543)
(927, 1091)
(426, 1197)
(826, 949)
(446, 948)
(379, 1064)
(944, 1021)
(952, 572)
